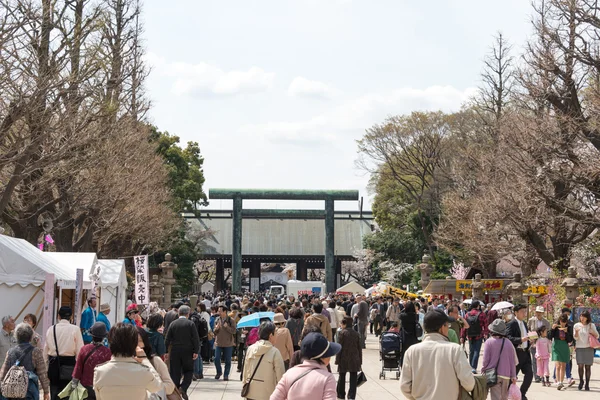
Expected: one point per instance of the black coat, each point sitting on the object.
(513, 333)
(409, 330)
(183, 335)
(349, 359)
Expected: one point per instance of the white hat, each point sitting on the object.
(539, 309)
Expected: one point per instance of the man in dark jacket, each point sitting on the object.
(183, 339)
(517, 333)
(363, 320)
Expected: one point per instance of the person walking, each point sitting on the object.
(295, 324)
(499, 354)
(102, 316)
(224, 342)
(28, 356)
(349, 359)
(516, 332)
(126, 375)
(447, 367)
(542, 354)
(320, 320)
(393, 312)
(157, 340)
(159, 365)
(7, 340)
(562, 335)
(408, 327)
(88, 318)
(335, 321)
(63, 344)
(311, 379)
(283, 340)
(89, 357)
(584, 354)
(535, 323)
(476, 332)
(184, 344)
(362, 315)
(31, 319)
(263, 366)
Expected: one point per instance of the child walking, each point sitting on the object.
(543, 351)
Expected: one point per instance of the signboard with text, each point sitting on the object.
(140, 266)
(489, 284)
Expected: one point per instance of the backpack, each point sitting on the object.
(201, 325)
(16, 381)
(474, 325)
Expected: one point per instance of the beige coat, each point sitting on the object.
(125, 378)
(283, 343)
(269, 372)
(447, 370)
(162, 370)
(322, 322)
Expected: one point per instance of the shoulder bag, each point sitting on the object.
(65, 372)
(491, 375)
(246, 387)
(594, 343)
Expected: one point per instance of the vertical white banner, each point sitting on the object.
(140, 264)
(48, 317)
(78, 296)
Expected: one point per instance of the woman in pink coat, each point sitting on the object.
(310, 380)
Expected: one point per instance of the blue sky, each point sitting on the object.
(276, 92)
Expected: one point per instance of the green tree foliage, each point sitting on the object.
(185, 170)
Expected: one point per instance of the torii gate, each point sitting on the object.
(239, 195)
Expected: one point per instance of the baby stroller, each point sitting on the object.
(390, 348)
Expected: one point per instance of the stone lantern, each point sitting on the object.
(571, 285)
(516, 288)
(477, 286)
(156, 289)
(426, 270)
(168, 280)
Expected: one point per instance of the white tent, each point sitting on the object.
(351, 287)
(23, 270)
(112, 279)
(72, 262)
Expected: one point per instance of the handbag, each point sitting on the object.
(361, 378)
(594, 343)
(246, 387)
(175, 395)
(491, 375)
(65, 372)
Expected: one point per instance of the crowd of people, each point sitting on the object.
(157, 354)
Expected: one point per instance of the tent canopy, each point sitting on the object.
(21, 263)
(72, 262)
(112, 273)
(351, 287)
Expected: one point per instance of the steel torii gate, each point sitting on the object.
(239, 195)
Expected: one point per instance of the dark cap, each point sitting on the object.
(98, 330)
(65, 312)
(435, 319)
(316, 346)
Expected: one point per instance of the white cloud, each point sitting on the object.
(352, 117)
(301, 86)
(204, 78)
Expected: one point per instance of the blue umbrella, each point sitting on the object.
(252, 320)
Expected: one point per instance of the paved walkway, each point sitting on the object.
(384, 389)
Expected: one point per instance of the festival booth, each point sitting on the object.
(24, 270)
(351, 288)
(111, 279)
(66, 287)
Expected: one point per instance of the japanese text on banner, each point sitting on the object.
(140, 266)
